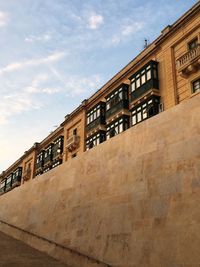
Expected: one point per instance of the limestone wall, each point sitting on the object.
(133, 201)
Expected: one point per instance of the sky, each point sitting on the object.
(56, 53)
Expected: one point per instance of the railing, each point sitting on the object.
(56, 244)
(73, 142)
(27, 175)
(188, 57)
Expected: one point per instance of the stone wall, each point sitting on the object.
(133, 201)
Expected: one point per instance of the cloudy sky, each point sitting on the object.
(55, 53)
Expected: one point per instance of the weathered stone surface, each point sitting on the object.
(132, 201)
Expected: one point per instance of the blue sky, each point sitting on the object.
(55, 53)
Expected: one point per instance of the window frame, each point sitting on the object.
(119, 125)
(192, 43)
(143, 108)
(98, 138)
(95, 113)
(114, 98)
(192, 85)
(151, 68)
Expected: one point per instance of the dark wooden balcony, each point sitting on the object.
(2, 188)
(123, 104)
(142, 90)
(99, 121)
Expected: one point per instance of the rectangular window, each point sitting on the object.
(138, 83)
(134, 120)
(148, 75)
(95, 140)
(145, 110)
(196, 86)
(144, 75)
(118, 126)
(95, 113)
(193, 44)
(117, 96)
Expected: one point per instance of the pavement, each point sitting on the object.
(14, 253)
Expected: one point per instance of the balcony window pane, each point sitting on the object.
(121, 127)
(138, 83)
(133, 87)
(134, 120)
(139, 116)
(143, 79)
(148, 75)
(144, 113)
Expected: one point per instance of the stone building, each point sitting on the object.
(164, 74)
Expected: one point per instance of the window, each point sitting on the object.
(58, 145)
(196, 86)
(118, 126)
(145, 74)
(8, 181)
(2, 185)
(117, 96)
(48, 153)
(95, 140)
(193, 44)
(75, 131)
(17, 174)
(145, 110)
(96, 112)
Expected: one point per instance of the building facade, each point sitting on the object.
(166, 73)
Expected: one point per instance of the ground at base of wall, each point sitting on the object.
(15, 253)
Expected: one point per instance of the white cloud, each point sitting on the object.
(3, 18)
(32, 62)
(131, 29)
(40, 38)
(15, 103)
(46, 90)
(95, 21)
(126, 31)
(76, 85)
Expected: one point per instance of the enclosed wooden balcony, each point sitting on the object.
(145, 82)
(96, 118)
(16, 178)
(117, 102)
(189, 62)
